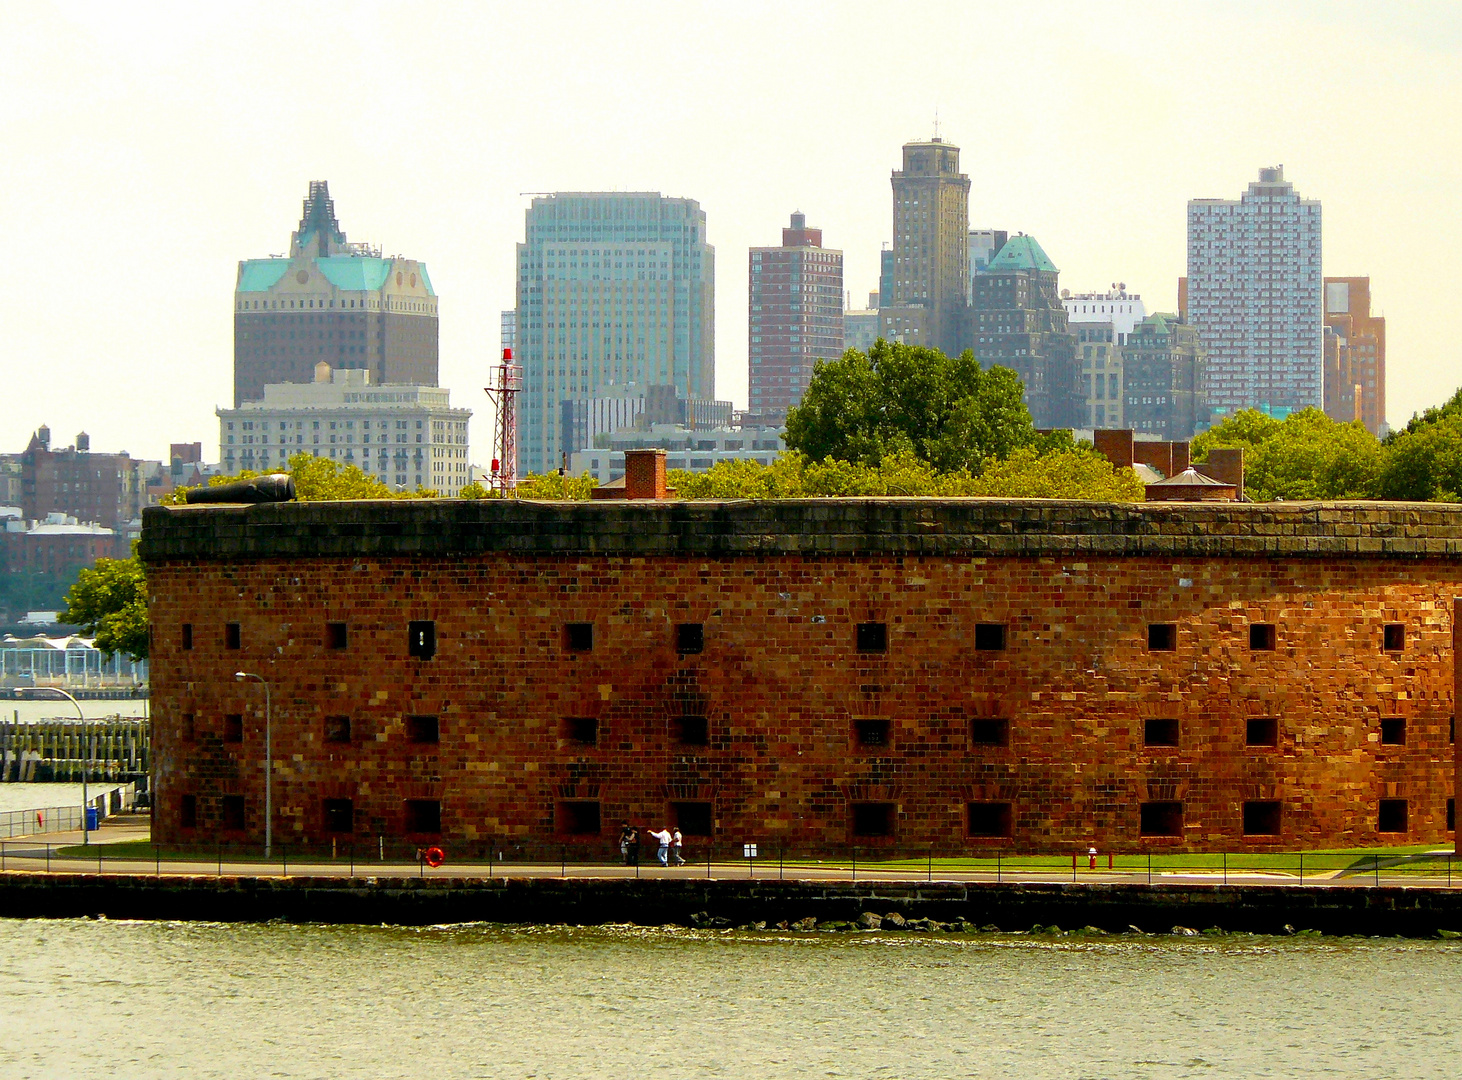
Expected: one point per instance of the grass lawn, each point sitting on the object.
(1393, 860)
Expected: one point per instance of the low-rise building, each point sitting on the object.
(106, 489)
(826, 675)
(686, 448)
(405, 436)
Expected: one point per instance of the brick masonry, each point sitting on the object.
(780, 589)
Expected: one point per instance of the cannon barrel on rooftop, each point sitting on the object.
(277, 487)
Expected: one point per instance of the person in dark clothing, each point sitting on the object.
(629, 844)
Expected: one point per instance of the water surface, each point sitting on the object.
(97, 998)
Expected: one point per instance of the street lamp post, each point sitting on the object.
(85, 759)
(240, 676)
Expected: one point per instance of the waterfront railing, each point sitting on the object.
(378, 856)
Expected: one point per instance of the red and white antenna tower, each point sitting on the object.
(507, 379)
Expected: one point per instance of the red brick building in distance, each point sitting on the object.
(795, 316)
(1355, 355)
(953, 675)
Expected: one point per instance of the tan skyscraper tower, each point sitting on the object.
(931, 257)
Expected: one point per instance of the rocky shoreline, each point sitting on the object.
(810, 906)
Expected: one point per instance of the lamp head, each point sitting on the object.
(240, 676)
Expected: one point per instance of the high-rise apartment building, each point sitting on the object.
(335, 302)
(931, 248)
(1162, 379)
(1355, 355)
(613, 288)
(1254, 293)
(1019, 322)
(795, 316)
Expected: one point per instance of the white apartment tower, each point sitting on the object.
(1255, 294)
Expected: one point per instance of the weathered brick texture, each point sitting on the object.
(779, 589)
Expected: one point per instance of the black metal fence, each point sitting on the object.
(752, 859)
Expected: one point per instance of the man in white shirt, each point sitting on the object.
(664, 852)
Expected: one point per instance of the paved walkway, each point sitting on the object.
(39, 854)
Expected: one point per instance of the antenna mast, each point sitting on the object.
(507, 379)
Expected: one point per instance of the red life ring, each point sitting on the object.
(434, 856)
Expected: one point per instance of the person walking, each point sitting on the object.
(663, 835)
(626, 834)
(677, 842)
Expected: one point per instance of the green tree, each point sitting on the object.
(109, 602)
(1305, 456)
(1451, 409)
(1424, 463)
(947, 411)
(1058, 472)
(555, 486)
(318, 479)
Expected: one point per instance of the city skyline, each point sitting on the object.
(154, 139)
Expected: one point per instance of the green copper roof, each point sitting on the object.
(1021, 253)
(354, 273)
(261, 275)
(351, 273)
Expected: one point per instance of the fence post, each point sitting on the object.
(1378, 871)
(1073, 867)
(563, 861)
(48, 856)
(98, 860)
(284, 860)
(1302, 867)
(1149, 868)
(1225, 867)
(157, 857)
(997, 867)
(351, 846)
(781, 851)
(931, 863)
(855, 862)
(220, 858)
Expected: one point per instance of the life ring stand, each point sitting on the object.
(434, 857)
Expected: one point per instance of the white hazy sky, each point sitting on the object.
(146, 148)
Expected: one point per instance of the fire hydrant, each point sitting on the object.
(1091, 855)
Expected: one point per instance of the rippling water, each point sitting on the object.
(92, 999)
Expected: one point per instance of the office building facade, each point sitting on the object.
(1018, 321)
(1162, 379)
(795, 316)
(404, 436)
(1355, 355)
(613, 288)
(931, 248)
(1101, 323)
(1253, 291)
(331, 301)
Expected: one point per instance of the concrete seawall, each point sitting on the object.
(1411, 912)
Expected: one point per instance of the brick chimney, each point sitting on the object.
(1226, 464)
(1114, 444)
(644, 474)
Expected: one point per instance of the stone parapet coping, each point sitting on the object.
(812, 527)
